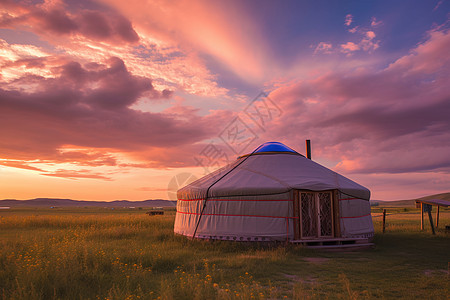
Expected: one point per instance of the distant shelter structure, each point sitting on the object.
(427, 206)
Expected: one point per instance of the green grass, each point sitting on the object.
(93, 253)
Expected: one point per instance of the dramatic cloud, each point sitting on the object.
(86, 31)
(83, 108)
(62, 19)
(213, 28)
(391, 121)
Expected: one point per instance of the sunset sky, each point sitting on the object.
(110, 99)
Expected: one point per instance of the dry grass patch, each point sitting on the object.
(104, 254)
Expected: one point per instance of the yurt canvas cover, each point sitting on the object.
(274, 193)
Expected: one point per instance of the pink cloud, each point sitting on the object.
(354, 29)
(349, 47)
(151, 189)
(19, 164)
(406, 185)
(55, 20)
(437, 5)
(85, 157)
(370, 35)
(77, 174)
(323, 47)
(375, 23)
(427, 57)
(348, 20)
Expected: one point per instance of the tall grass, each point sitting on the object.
(123, 255)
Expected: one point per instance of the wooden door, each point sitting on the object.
(314, 215)
(325, 214)
(308, 215)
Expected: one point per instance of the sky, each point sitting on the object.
(110, 99)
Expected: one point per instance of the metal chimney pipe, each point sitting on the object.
(308, 149)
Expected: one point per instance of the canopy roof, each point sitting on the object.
(273, 147)
(438, 202)
(271, 169)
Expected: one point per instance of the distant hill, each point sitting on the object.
(411, 202)
(56, 202)
(396, 203)
(82, 203)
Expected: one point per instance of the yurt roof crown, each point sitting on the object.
(272, 148)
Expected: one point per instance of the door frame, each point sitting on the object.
(298, 230)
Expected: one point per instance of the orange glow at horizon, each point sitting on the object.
(135, 185)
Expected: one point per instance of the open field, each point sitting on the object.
(97, 253)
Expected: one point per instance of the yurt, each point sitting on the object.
(274, 194)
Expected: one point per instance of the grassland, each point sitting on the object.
(96, 253)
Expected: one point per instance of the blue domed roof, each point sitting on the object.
(271, 148)
(274, 147)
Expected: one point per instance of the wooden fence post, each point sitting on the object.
(431, 220)
(384, 220)
(437, 217)
(421, 220)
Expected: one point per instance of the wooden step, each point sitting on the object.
(328, 240)
(358, 246)
(347, 244)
